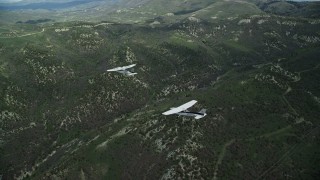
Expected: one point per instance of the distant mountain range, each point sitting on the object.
(46, 5)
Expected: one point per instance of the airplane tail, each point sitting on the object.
(203, 111)
(203, 114)
(131, 74)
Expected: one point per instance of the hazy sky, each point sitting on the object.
(304, 0)
(6, 1)
(29, 1)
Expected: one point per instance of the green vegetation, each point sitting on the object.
(63, 116)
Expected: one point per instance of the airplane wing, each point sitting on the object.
(180, 108)
(121, 68)
(127, 67)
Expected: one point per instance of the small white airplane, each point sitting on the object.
(123, 70)
(182, 111)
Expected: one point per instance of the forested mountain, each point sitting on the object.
(253, 65)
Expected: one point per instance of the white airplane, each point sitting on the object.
(123, 70)
(182, 111)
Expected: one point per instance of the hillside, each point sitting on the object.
(256, 73)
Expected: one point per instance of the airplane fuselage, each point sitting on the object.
(197, 115)
(126, 73)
